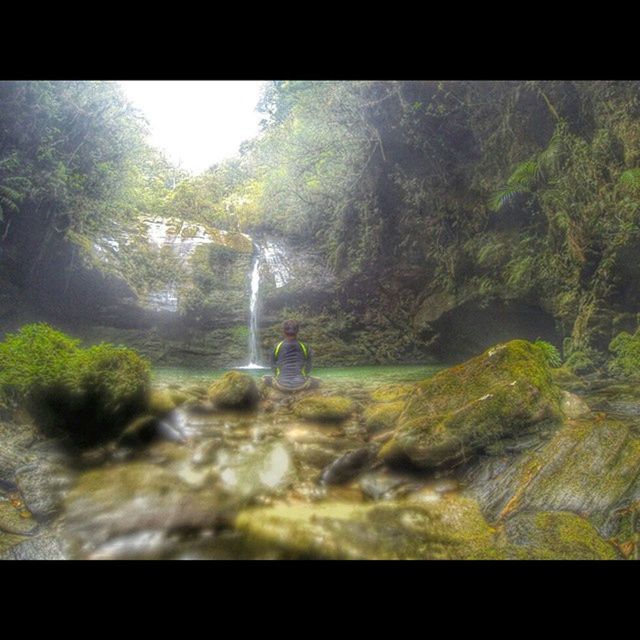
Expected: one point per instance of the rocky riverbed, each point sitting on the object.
(498, 458)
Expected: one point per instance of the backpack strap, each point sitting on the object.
(305, 351)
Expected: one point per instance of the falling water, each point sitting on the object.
(253, 321)
(274, 258)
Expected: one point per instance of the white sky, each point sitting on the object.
(197, 122)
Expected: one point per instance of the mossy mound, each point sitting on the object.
(381, 416)
(90, 394)
(324, 409)
(453, 415)
(391, 392)
(162, 401)
(235, 390)
(445, 529)
(558, 536)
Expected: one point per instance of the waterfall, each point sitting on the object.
(253, 318)
(275, 260)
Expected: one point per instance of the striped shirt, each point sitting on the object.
(291, 366)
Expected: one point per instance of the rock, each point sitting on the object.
(589, 467)
(450, 528)
(379, 417)
(123, 499)
(235, 390)
(349, 465)
(316, 455)
(16, 520)
(452, 416)
(573, 406)
(203, 408)
(265, 468)
(384, 484)
(46, 546)
(558, 536)
(41, 485)
(163, 401)
(14, 442)
(317, 408)
(140, 431)
(391, 392)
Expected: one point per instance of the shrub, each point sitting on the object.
(626, 350)
(88, 393)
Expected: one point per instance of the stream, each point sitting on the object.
(177, 497)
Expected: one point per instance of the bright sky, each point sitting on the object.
(197, 123)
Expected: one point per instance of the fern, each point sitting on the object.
(533, 173)
(524, 175)
(502, 196)
(551, 159)
(551, 354)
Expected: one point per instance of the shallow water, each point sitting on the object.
(369, 376)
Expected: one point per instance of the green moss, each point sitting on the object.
(89, 393)
(382, 416)
(457, 412)
(590, 467)
(324, 409)
(391, 392)
(235, 390)
(445, 529)
(162, 401)
(558, 535)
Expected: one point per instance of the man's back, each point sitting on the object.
(291, 360)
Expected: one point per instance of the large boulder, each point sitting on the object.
(590, 467)
(449, 418)
(235, 390)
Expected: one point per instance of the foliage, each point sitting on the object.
(580, 362)
(550, 352)
(88, 393)
(626, 350)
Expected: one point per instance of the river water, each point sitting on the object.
(176, 497)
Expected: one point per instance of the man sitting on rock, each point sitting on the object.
(291, 362)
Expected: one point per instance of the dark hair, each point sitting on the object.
(290, 328)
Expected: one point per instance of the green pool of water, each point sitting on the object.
(371, 375)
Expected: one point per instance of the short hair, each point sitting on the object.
(290, 328)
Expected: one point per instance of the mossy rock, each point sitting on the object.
(14, 520)
(90, 393)
(235, 390)
(589, 467)
(445, 529)
(391, 392)
(163, 401)
(317, 408)
(380, 416)
(573, 406)
(558, 536)
(460, 411)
